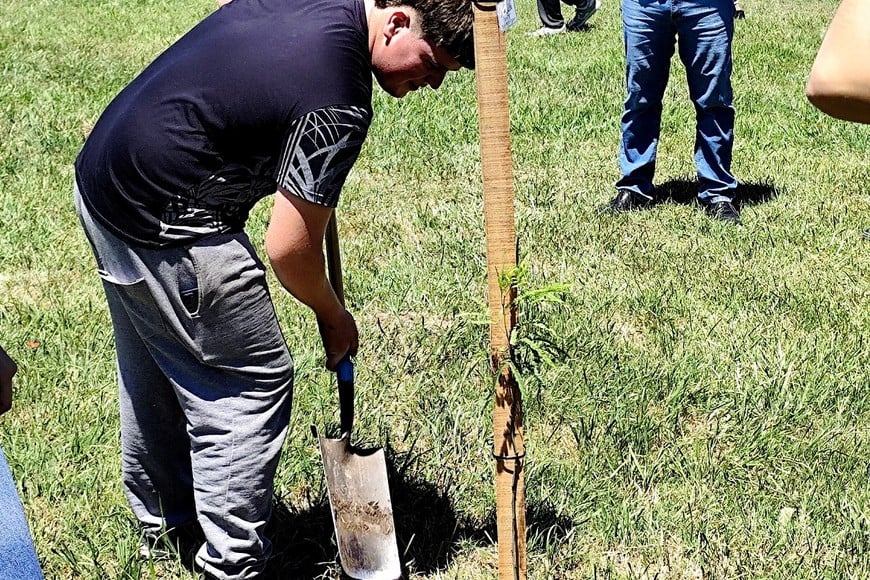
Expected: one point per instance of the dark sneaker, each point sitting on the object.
(583, 14)
(628, 200)
(723, 211)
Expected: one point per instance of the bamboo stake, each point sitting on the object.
(501, 252)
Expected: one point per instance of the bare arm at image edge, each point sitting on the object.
(8, 369)
(839, 83)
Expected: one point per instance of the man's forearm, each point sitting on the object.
(303, 275)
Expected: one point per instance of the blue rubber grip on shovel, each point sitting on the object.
(344, 374)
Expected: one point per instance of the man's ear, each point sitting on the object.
(398, 20)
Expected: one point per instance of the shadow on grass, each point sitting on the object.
(302, 544)
(429, 531)
(436, 533)
(684, 191)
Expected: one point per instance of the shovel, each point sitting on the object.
(356, 479)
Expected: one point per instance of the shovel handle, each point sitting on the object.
(344, 374)
(333, 258)
(344, 370)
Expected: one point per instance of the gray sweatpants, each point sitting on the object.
(206, 383)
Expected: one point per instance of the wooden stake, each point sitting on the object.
(501, 257)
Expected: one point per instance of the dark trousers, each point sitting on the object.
(550, 12)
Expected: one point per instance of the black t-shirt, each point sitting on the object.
(259, 94)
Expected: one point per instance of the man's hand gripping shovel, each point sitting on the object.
(356, 479)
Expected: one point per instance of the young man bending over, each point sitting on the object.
(260, 98)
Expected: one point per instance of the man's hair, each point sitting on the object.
(446, 23)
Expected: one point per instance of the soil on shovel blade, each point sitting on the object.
(362, 518)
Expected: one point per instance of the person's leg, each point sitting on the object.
(155, 453)
(705, 33)
(17, 556)
(206, 320)
(550, 12)
(225, 355)
(648, 34)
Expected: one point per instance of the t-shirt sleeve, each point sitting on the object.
(320, 149)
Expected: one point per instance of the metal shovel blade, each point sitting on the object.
(362, 513)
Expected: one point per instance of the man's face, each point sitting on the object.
(407, 62)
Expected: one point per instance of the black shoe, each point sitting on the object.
(582, 15)
(627, 200)
(724, 211)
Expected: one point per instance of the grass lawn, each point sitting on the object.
(697, 395)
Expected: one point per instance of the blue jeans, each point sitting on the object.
(703, 31)
(17, 556)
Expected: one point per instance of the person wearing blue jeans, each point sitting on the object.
(17, 555)
(703, 31)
